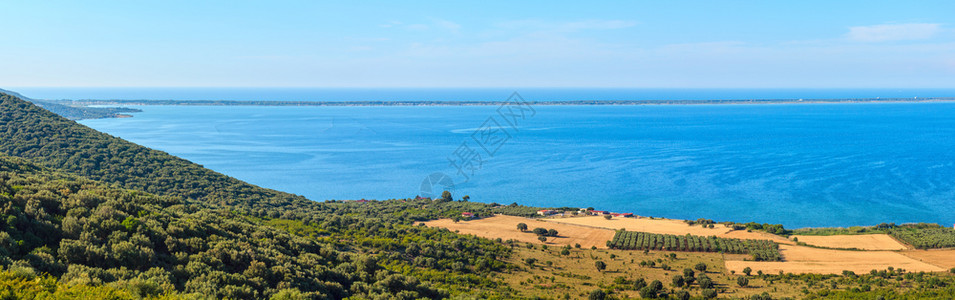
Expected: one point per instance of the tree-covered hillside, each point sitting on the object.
(50, 140)
(87, 207)
(85, 232)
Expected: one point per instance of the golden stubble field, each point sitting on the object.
(944, 258)
(596, 231)
(800, 259)
(862, 241)
(505, 227)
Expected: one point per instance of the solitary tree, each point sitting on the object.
(446, 197)
(608, 217)
(542, 238)
(747, 271)
(465, 198)
(742, 281)
(552, 232)
(522, 227)
(700, 267)
(600, 265)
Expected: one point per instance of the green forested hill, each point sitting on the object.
(50, 140)
(89, 208)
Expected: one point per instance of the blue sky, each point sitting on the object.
(654, 44)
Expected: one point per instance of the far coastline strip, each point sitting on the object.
(486, 103)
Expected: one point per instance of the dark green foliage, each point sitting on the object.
(681, 295)
(688, 272)
(771, 228)
(925, 236)
(705, 282)
(761, 250)
(919, 235)
(678, 281)
(709, 293)
(763, 296)
(639, 283)
(49, 140)
(742, 281)
(656, 285)
(446, 196)
(600, 265)
(652, 290)
(195, 230)
(700, 267)
(597, 294)
(78, 229)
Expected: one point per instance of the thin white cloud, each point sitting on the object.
(417, 27)
(390, 24)
(566, 26)
(599, 24)
(893, 32)
(451, 26)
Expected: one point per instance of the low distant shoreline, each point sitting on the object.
(493, 103)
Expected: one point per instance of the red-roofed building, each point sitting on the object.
(467, 215)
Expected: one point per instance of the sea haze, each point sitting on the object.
(465, 94)
(795, 164)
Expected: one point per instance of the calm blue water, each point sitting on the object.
(799, 165)
(466, 94)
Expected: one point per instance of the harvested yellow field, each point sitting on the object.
(942, 258)
(800, 259)
(505, 227)
(663, 226)
(863, 242)
(666, 226)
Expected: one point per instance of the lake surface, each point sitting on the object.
(795, 164)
